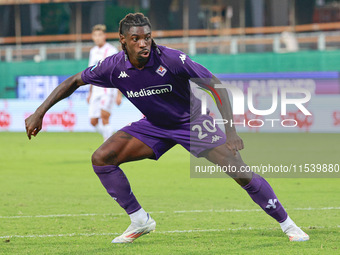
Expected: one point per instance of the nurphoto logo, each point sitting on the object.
(294, 96)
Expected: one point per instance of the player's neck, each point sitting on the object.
(139, 63)
(101, 45)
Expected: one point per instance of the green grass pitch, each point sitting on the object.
(52, 202)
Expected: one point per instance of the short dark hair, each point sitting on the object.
(133, 20)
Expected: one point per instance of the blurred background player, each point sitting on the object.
(101, 100)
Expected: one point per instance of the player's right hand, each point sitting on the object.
(33, 125)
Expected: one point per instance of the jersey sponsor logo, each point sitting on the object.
(182, 57)
(123, 74)
(271, 203)
(150, 91)
(161, 70)
(215, 138)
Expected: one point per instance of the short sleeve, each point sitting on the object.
(99, 74)
(189, 69)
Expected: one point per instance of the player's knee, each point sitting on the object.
(99, 158)
(94, 122)
(105, 121)
(96, 159)
(102, 157)
(235, 157)
(228, 157)
(105, 116)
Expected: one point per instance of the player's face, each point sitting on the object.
(99, 38)
(138, 44)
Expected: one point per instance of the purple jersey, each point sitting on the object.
(161, 90)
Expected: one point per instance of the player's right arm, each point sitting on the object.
(34, 122)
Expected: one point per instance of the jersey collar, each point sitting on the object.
(128, 64)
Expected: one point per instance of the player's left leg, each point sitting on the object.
(107, 131)
(94, 113)
(258, 189)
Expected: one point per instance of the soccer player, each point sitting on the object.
(100, 99)
(156, 80)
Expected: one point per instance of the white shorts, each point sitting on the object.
(100, 102)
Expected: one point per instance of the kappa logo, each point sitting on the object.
(271, 203)
(215, 138)
(183, 57)
(161, 70)
(123, 74)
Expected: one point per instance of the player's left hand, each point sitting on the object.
(234, 142)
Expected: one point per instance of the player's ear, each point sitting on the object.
(122, 39)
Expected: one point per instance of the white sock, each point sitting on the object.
(139, 216)
(99, 128)
(107, 132)
(284, 225)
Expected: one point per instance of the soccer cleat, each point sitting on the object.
(295, 234)
(136, 230)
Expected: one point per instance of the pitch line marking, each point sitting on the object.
(156, 232)
(159, 212)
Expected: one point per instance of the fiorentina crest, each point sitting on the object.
(161, 70)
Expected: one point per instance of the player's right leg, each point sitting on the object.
(106, 104)
(120, 148)
(258, 189)
(94, 121)
(94, 113)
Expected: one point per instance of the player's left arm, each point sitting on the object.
(204, 78)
